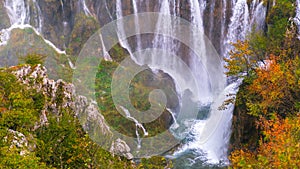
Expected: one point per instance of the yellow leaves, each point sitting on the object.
(241, 159)
(240, 60)
(274, 85)
(271, 91)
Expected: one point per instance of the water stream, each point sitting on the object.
(242, 16)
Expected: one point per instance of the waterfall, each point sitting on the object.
(72, 66)
(38, 18)
(175, 124)
(62, 7)
(65, 22)
(19, 15)
(240, 22)
(214, 149)
(211, 17)
(137, 25)
(258, 13)
(137, 125)
(121, 32)
(85, 8)
(197, 64)
(164, 24)
(105, 52)
(172, 66)
(243, 21)
(18, 12)
(243, 18)
(223, 26)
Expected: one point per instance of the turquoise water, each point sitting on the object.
(194, 158)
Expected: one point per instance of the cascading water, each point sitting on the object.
(243, 18)
(243, 21)
(258, 13)
(137, 124)
(65, 22)
(38, 18)
(223, 26)
(214, 149)
(137, 24)
(121, 32)
(19, 14)
(164, 24)
(211, 17)
(197, 9)
(85, 8)
(240, 22)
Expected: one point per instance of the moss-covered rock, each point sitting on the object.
(139, 92)
(25, 42)
(84, 28)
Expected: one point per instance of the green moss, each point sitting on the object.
(83, 29)
(118, 54)
(139, 98)
(32, 59)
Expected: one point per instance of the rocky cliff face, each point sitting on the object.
(68, 24)
(62, 22)
(61, 95)
(59, 21)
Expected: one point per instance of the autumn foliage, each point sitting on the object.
(270, 95)
(279, 148)
(276, 86)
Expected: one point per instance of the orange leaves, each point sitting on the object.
(269, 84)
(274, 85)
(279, 149)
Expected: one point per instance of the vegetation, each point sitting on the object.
(279, 148)
(270, 94)
(138, 99)
(33, 59)
(268, 102)
(60, 143)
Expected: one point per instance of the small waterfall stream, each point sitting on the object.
(121, 33)
(85, 8)
(18, 11)
(137, 24)
(38, 18)
(19, 16)
(137, 125)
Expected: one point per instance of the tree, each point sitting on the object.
(33, 59)
(241, 60)
(19, 110)
(278, 149)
